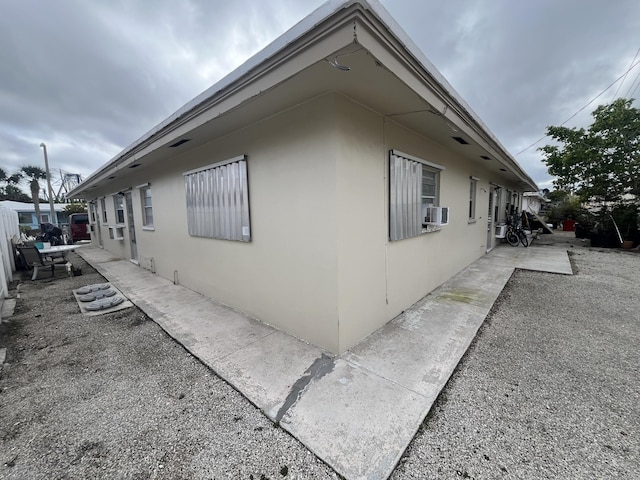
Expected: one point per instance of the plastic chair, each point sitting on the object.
(35, 260)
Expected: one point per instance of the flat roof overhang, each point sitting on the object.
(381, 77)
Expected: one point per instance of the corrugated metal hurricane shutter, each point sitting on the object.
(405, 197)
(218, 201)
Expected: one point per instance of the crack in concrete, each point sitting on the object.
(318, 369)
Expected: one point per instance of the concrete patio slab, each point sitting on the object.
(542, 258)
(203, 330)
(357, 411)
(267, 370)
(356, 421)
(135, 279)
(417, 351)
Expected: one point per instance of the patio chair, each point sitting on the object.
(33, 259)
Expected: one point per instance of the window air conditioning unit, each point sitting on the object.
(437, 216)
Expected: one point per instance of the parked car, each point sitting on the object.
(79, 227)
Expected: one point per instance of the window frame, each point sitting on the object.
(91, 207)
(147, 210)
(118, 206)
(473, 196)
(407, 205)
(217, 200)
(28, 216)
(103, 207)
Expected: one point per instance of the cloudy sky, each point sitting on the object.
(88, 77)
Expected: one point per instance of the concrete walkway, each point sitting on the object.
(357, 411)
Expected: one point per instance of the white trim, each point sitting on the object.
(215, 165)
(297, 41)
(474, 178)
(114, 231)
(149, 229)
(143, 185)
(398, 153)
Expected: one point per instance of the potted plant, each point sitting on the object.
(626, 217)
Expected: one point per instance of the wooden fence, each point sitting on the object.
(9, 230)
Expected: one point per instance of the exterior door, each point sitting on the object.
(132, 228)
(490, 218)
(95, 218)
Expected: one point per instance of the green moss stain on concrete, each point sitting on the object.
(460, 296)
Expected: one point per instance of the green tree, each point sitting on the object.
(601, 162)
(75, 207)
(10, 189)
(34, 175)
(3, 179)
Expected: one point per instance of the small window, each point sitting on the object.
(218, 201)
(103, 207)
(473, 186)
(414, 186)
(147, 209)
(25, 218)
(116, 233)
(44, 218)
(118, 205)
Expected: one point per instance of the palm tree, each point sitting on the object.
(10, 189)
(35, 174)
(3, 179)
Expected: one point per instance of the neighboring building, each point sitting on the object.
(27, 213)
(303, 188)
(534, 202)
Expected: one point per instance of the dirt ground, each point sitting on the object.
(113, 396)
(550, 388)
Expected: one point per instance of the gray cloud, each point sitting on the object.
(88, 78)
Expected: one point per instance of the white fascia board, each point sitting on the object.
(30, 207)
(447, 95)
(246, 72)
(281, 51)
(277, 71)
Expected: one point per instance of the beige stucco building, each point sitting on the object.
(301, 188)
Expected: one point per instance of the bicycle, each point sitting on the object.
(515, 234)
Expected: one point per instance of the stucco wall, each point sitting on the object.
(286, 276)
(361, 221)
(320, 265)
(378, 278)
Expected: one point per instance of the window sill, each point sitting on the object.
(116, 232)
(471, 221)
(149, 228)
(431, 229)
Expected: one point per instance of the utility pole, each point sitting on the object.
(46, 167)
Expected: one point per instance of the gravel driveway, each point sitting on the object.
(550, 388)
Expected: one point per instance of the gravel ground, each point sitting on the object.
(113, 396)
(550, 388)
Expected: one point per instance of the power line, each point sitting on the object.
(631, 86)
(590, 102)
(625, 76)
(638, 85)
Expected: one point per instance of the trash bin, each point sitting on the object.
(568, 225)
